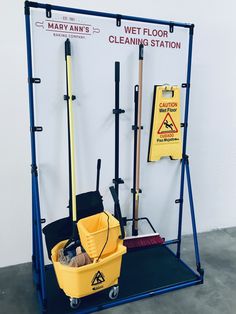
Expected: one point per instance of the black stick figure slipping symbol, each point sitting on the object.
(168, 125)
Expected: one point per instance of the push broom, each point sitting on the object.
(137, 142)
(146, 240)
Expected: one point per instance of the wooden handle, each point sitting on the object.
(139, 125)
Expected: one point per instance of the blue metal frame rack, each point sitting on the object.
(39, 269)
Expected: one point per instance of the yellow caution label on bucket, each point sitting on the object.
(165, 136)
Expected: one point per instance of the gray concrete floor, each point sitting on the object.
(216, 296)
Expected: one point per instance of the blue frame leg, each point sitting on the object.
(181, 199)
(195, 238)
(181, 207)
(38, 257)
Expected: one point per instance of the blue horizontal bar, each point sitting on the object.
(142, 296)
(175, 241)
(107, 15)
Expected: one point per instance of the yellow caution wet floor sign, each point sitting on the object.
(165, 136)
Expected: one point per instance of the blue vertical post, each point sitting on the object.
(181, 199)
(195, 239)
(35, 262)
(33, 232)
(37, 232)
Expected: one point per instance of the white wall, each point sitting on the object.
(212, 114)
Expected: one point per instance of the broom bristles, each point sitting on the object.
(143, 241)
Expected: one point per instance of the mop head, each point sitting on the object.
(80, 259)
(143, 241)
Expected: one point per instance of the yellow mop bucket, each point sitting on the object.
(99, 234)
(78, 282)
(104, 271)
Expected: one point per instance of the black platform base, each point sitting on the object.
(144, 272)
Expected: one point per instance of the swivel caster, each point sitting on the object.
(74, 303)
(113, 293)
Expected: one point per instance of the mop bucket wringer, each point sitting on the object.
(96, 231)
(103, 238)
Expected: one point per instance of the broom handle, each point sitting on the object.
(71, 127)
(137, 183)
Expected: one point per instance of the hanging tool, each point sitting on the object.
(73, 242)
(137, 241)
(137, 142)
(117, 111)
(87, 204)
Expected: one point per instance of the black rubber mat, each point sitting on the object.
(143, 271)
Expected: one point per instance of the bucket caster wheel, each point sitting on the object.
(113, 293)
(74, 303)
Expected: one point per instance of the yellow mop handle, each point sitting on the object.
(72, 145)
